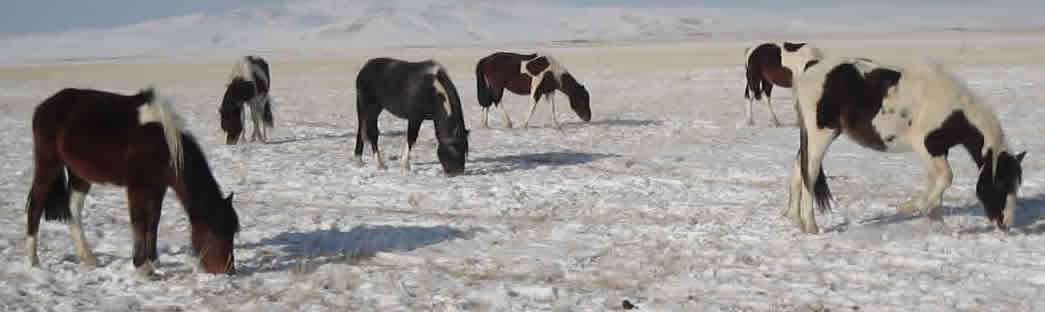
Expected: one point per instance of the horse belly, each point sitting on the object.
(520, 86)
(894, 131)
(779, 76)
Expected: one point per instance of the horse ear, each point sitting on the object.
(1019, 158)
(229, 199)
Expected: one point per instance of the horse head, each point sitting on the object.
(579, 97)
(453, 150)
(999, 181)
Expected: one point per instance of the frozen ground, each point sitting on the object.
(661, 200)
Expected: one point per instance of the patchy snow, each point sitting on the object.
(661, 200)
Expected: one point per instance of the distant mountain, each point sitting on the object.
(319, 24)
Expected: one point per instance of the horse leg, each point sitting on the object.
(43, 178)
(768, 87)
(555, 117)
(360, 134)
(535, 97)
(413, 127)
(818, 141)
(79, 188)
(372, 134)
(486, 116)
(795, 191)
(940, 178)
(144, 203)
(497, 95)
(255, 117)
(750, 119)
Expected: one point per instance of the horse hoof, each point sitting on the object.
(146, 271)
(906, 209)
(90, 260)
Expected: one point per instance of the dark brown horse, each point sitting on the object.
(82, 137)
(527, 74)
(771, 64)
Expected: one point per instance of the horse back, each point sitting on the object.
(503, 70)
(95, 133)
(399, 87)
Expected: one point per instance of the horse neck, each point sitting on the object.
(199, 191)
(236, 93)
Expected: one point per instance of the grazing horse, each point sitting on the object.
(771, 64)
(533, 74)
(249, 84)
(919, 107)
(82, 137)
(416, 91)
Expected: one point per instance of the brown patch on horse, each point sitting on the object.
(763, 69)
(780, 76)
(536, 66)
(851, 100)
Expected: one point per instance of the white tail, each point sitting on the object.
(158, 109)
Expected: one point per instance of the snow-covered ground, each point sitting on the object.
(662, 200)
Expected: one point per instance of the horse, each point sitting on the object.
(535, 74)
(249, 83)
(919, 107)
(84, 136)
(771, 64)
(416, 91)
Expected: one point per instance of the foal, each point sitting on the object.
(249, 84)
(771, 64)
(81, 137)
(919, 107)
(416, 91)
(533, 74)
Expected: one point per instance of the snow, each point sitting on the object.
(663, 200)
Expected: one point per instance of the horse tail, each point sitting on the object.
(158, 109)
(483, 90)
(821, 191)
(266, 117)
(56, 204)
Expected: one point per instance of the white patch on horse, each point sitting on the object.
(555, 68)
(439, 89)
(160, 110)
(83, 250)
(796, 61)
(30, 251)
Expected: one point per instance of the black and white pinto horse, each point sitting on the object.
(771, 64)
(416, 91)
(250, 82)
(535, 75)
(920, 107)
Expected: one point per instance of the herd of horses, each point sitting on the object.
(82, 136)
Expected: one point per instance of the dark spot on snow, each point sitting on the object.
(627, 305)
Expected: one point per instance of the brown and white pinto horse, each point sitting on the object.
(527, 74)
(919, 107)
(249, 84)
(83, 136)
(771, 64)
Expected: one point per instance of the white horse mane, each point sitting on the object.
(554, 66)
(246, 70)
